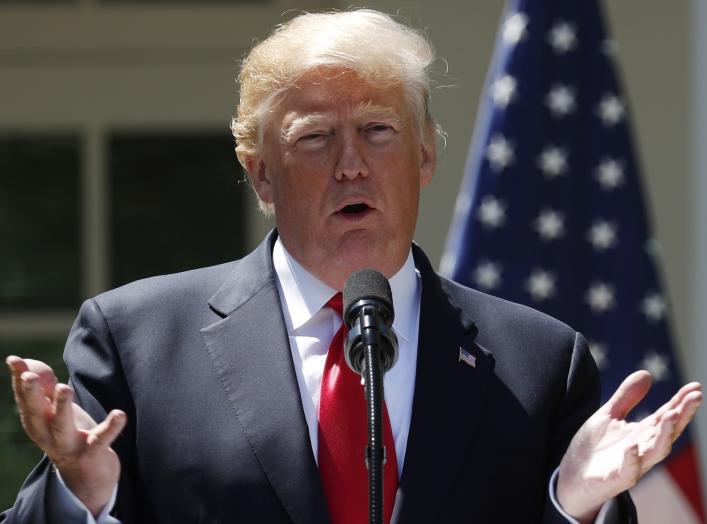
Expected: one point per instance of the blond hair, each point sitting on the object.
(380, 50)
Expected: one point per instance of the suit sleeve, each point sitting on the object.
(581, 400)
(96, 374)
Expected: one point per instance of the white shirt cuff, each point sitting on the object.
(62, 503)
(552, 488)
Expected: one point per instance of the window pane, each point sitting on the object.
(176, 203)
(39, 222)
(18, 454)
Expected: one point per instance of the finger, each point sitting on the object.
(35, 408)
(107, 431)
(17, 366)
(62, 427)
(659, 446)
(47, 378)
(631, 469)
(686, 411)
(629, 393)
(674, 402)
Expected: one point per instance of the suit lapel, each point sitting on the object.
(250, 350)
(449, 395)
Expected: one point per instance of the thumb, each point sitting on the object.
(629, 394)
(107, 431)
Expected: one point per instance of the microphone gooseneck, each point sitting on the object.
(371, 350)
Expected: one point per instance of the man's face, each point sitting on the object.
(343, 163)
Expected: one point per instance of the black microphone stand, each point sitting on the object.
(375, 451)
(367, 358)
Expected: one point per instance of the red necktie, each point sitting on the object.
(343, 436)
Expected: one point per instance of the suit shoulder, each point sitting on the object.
(186, 286)
(492, 313)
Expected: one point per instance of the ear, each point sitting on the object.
(260, 178)
(428, 161)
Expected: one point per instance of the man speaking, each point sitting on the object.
(221, 394)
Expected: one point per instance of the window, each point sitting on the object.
(176, 203)
(40, 221)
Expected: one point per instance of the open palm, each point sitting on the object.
(609, 455)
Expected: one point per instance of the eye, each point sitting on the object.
(312, 140)
(379, 128)
(313, 136)
(379, 132)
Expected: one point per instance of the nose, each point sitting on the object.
(351, 163)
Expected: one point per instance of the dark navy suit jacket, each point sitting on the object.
(200, 362)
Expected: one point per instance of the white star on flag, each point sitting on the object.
(487, 275)
(611, 110)
(610, 173)
(553, 161)
(503, 90)
(657, 365)
(600, 297)
(499, 153)
(514, 28)
(562, 37)
(602, 235)
(561, 100)
(492, 212)
(598, 351)
(550, 225)
(653, 307)
(540, 285)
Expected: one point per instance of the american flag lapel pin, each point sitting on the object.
(466, 357)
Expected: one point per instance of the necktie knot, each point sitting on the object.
(336, 303)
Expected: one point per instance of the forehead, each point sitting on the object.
(340, 92)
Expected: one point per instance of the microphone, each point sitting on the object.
(368, 313)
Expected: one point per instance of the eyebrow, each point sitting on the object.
(362, 111)
(295, 126)
(370, 111)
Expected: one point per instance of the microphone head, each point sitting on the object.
(367, 284)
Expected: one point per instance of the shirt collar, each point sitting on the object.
(304, 294)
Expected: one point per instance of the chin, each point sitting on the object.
(367, 256)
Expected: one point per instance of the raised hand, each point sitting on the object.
(77, 445)
(609, 455)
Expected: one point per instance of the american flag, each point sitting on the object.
(551, 214)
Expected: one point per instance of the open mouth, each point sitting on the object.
(354, 209)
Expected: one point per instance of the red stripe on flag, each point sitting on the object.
(683, 468)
